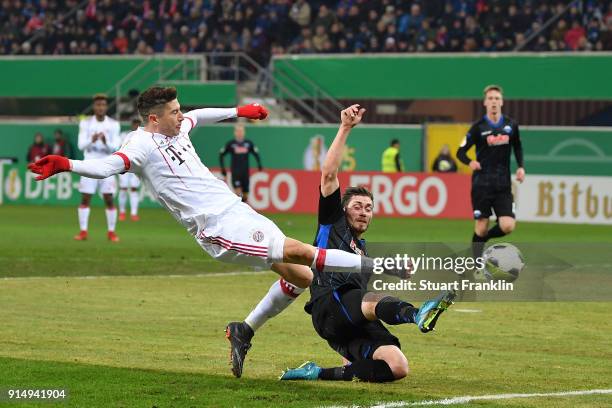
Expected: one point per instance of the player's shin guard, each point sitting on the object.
(392, 310)
(341, 261)
(495, 232)
(364, 370)
(83, 217)
(278, 298)
(478, 244)
(111, 218)
(134, 201)
(122, 200)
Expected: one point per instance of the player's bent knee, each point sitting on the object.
(507, 226)
(399, 367)
(397, 361)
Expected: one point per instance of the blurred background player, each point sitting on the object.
(129, 182)
(239, 150)
(494, 135)
(444, 162)
(61, 145)
(98, 138)
(38, 149)
(391, 161)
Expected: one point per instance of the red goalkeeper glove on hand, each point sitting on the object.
(252, 111)
(49, 165)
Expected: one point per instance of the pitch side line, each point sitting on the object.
(94, 277)
(468, 399)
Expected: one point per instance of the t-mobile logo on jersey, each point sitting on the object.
(175, 154)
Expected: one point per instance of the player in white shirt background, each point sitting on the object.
(162, 154)
(98, 138)
(129, 182)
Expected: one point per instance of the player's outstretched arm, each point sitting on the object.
(99, 168)
(213, 115)
(349, 117)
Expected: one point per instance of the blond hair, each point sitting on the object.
(492, 87)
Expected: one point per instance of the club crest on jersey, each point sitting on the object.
(258, 236)
(496, 140)
(355, 248)
(508, 129)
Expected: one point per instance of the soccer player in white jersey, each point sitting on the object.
(129, 183)
(162, 154)
(98, 138)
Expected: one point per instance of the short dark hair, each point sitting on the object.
(351, 192)
(153, 98)
(394, 142)
(100, 97)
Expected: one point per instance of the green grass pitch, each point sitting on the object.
(149, 331)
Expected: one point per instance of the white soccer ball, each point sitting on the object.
(503, 262)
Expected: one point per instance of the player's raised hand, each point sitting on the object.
(520, 174)
(352, 115)
(252, 111)
(49, 165)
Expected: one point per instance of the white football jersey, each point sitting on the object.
(96, 150)
(174, 173)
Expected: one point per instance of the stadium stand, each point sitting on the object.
(263, 28)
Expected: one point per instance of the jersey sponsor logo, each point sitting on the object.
(241, 150)
(175, 154)
(496, 140)
(258, 236)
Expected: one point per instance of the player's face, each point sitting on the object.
(100, 107)
(359, 211)
(493, 102)
(169, 121)
(239, 133)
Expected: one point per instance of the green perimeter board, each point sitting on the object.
(83, 77)
(525, 76)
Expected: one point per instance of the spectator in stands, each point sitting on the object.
(61, 145)
(444, 162)
(391, 161)
(38, 149)
(574, 35)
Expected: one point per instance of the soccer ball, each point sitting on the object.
(503, 262)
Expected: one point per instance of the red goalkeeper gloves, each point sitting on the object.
(49, 165)
(252, 111)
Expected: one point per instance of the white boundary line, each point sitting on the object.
(94, 277)
(467, 399)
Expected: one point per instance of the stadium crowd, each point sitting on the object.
(265, 27)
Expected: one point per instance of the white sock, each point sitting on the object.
(111, 218)
(122, 200)
(134, 200)
(340, 261)
(83, 218)
(278, 298)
